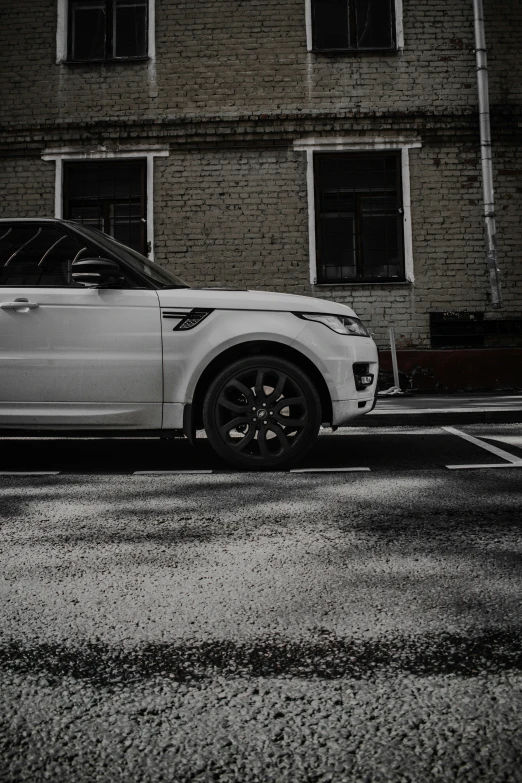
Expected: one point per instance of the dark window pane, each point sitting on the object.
(379, 204)
(359, 225)
(125, 223)
(38, 256)
(88, 29)
(338, 240)
(374, 24)
(353, 24)
(110, 197)
(86, 213)
(360, 174)
(130, 29)
(330, 24)
(338, 202)
(378, 246)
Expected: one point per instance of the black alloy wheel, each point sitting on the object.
(262, 413)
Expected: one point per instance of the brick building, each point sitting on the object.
(324, 147)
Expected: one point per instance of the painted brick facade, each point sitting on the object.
(231, 88)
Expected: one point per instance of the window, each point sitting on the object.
(107, 29)
(358, 217)
(353, 25)
(109, 196)
(37, 255)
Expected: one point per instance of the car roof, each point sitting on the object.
(33, 220)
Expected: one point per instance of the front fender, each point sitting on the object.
(187, 354)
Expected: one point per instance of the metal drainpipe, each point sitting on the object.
(485, 154)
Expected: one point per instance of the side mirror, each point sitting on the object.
(97, 271)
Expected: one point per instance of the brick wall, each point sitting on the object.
(237, 56)
(234, 217)
(240, 217)
(229, 217)
(26, 187)
(231, 88)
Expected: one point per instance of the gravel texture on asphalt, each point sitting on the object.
(384, 729)
(286, 628)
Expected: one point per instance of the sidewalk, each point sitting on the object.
(441, 409)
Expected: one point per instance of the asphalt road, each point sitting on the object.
(343, 626)
(387, 448)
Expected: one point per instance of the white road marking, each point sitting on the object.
(511, 440)
(30, 473)
(511, 458)
(327, 470)
(495, 465)
(167, 472)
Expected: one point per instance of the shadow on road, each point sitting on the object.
(396, 451)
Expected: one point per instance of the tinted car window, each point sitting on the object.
(42, 255)
(161, 277)
(33, 255)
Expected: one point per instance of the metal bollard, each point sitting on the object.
(391, 332)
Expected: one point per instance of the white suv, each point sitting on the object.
(96, 339)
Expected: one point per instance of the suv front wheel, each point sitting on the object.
(262, 413)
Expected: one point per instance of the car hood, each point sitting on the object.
(230, 299)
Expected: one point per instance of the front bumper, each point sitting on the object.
(335, 355)
(345, 410)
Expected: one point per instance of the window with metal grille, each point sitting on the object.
(107, 29)
(359, 222)
(109, 196)
(353, 25)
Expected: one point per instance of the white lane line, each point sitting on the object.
(511, 458)
(327, 470)
(495, 465)
(30, 473)
(511, 440)
(167, 472)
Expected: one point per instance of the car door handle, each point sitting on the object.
(19, 304)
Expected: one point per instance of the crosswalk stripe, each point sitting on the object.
(511, 440)
(487, 446)
(328, 470)
(495, 465)
(167, 472)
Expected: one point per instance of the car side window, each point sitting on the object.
(40, 255)
(33, 255)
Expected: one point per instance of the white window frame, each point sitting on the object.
(62, 30)
(311, 145)
(68, 153)
(399, 27)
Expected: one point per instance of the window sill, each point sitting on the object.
(356, 52)
(113, 61)
(365, 283)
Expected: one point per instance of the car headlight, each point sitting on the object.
(342, 324)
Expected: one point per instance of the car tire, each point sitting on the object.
(247, 421)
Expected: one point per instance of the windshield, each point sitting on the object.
(160, 276)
